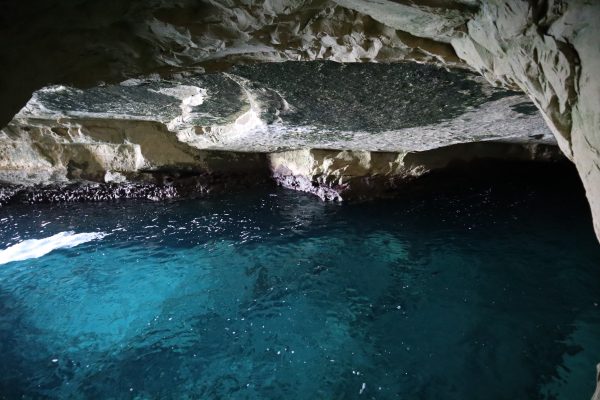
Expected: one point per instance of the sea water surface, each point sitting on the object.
(488, 292)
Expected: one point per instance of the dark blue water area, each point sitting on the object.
(491, 292)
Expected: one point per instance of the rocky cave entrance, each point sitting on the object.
(547, 50)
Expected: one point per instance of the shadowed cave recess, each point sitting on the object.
(349, 102)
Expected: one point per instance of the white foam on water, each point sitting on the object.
(35, 248)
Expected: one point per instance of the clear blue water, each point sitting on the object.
(483, 293)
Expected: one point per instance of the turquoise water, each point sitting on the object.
(479, 293)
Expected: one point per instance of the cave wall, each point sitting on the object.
(547, 48)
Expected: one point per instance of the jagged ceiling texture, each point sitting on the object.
(547, 48)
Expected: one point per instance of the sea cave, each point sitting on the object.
(300, 199)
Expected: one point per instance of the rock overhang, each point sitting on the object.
(267, 108)
(548, 49)
(320, 127)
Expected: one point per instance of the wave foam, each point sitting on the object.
(34, 248)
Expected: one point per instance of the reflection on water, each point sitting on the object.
(480, 294)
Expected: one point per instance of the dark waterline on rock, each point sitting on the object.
(479, 289)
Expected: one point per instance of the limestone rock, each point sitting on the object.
(548, 49)
(359, 113)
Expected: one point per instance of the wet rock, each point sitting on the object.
(155, 187)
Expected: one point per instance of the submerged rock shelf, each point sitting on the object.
(317, 127)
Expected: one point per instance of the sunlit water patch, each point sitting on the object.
(488, 293)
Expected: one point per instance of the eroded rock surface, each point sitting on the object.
(341, 129)
(547, 48)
